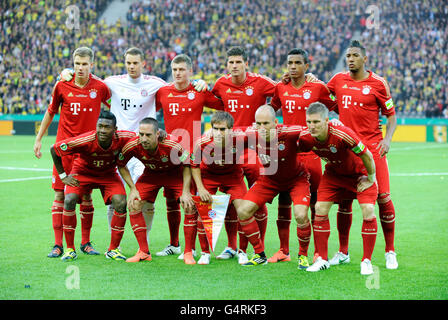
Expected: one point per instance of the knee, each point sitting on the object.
(301, 215)
(59, 196)
(148, 208)
(119, 203)
(245, 211)
(368, 211)
(321, 209)
(70, 201)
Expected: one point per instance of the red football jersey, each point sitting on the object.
(169, 155)
(93, 159)
(360, 103)
(294, 101)
(279, 156)
(242, 101)
(340, 151)
(182, 111)
(219, 159)
(80, 107)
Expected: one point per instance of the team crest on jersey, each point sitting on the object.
(191, 95)
(92, 93)
(306, 94)
(64, 147)
(366, 89)
(249, 90)
(281, 145)
(333, 148)
(144, 93)
(164, 158)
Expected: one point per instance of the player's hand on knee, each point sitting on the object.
(134, 200)
(364, 183)
(205, 196)
(186, 201)
(71, 181)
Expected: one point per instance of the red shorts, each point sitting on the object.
(382, 171)
(334, 188)
(264, 190)
(251, 165)
(230, 184)
(148, 185)
(313, 164)
(67, 163)
(109, 185)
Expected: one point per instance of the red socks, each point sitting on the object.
(117, 229)
(321, 228)
(69, 227)
(56, 216)
(387, 219)
(174, 218)
(344, 223)
(86, 214)
(231, 225)
(139, 227)
(304, 236)
(190, 227)
(202, 237)
(283, 225)
(369, 231)
(252, 232)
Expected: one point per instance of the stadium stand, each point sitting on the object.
(408, 49)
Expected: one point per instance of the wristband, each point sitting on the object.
(371, 177)
(62, 175)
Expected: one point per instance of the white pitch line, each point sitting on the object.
(25, 179)
(421, 174)
(392, 150)
(26, 169)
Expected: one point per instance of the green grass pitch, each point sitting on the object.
(419, 184)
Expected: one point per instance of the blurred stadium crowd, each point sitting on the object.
(409, 48)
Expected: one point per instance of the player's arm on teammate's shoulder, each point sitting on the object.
(309, 77)
(366, 182)
(200, 85)
(69, 180)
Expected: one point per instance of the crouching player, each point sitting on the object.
(166, 166)
(214, 166)
(94, 168)
(350, 168)
(276, 146)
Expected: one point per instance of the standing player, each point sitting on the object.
(276, 145)
(182, 109)
(79, 103)
(133, 99)
(166, 165)
(214, 166)
(94, 168)
(361, 96)
(242, 92)
(294, 98)
(350, 167)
